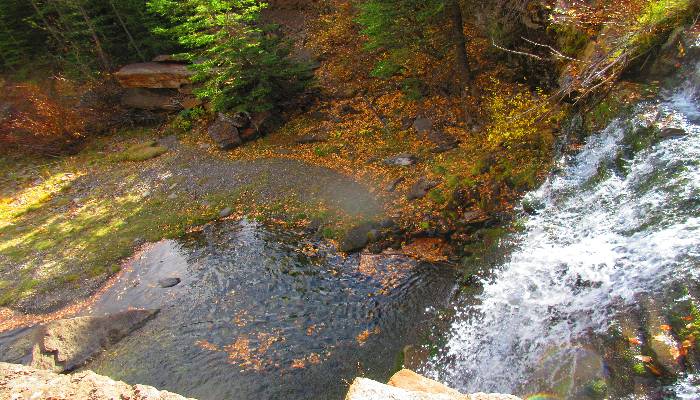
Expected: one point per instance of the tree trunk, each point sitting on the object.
(95, 39)
(459, 41)
(126, 30)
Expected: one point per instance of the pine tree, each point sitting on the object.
(20, 42)
(241, 64)
(396, 29)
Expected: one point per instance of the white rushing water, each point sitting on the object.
(601, 238)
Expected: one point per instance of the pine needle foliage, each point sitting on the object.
(241, 64)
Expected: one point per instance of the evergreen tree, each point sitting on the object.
(399, 28)
(77, 37)
(241, 64)
(20, 41)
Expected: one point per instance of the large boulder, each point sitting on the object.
(67, 344)
(145, 99)
(408, 385)
(154, 75)
(224, 131)
(22, 382)
(358, 237)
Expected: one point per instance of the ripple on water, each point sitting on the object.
(267, 313)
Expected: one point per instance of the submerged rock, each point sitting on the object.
(672, 132)
(169, 282)
(408, 385)
(22, 382)
(67, 344)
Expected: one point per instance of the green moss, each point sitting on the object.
(143, 151)
(639, 369)
(437, 196)
(571, 40)
(324, 150)
(597, 389)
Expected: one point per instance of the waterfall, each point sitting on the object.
(616, 222)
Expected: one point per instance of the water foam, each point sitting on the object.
(600, 239)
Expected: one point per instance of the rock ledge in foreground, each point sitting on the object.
(21, 382)
(408, 385)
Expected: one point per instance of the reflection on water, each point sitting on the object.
(267, 313)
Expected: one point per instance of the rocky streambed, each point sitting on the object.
(238, 309)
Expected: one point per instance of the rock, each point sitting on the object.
(168, 58)
(403, 159)
(567, 371)
(357, 237)
(444, 147)
(145, 99)
(409, 380)
(169, 282)
(248, 134)
(671, 132)
(67, 344)
(474, 217)
(224, 132)
(172, 196)
(394, 184)
(22, 382)
(661, 341)
(421, 188)
(225, 212)
(241, 120)
(154, 75)
(169, 142)
(347, 109)
(312, 138)
(423, 125)
(407, 385)
(190, 102)
(414, 356)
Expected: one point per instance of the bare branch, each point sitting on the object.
(522, 53)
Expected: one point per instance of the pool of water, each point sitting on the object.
(263, 312)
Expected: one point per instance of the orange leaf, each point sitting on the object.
(634, 340)
(665, 327)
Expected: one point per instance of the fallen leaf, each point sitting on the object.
(634, 340)
(665, 327)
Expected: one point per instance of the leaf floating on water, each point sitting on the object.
(206, 345)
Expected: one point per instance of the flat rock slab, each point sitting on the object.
(154, 75)
(407, 385)
(22, 382)
(67, 344)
